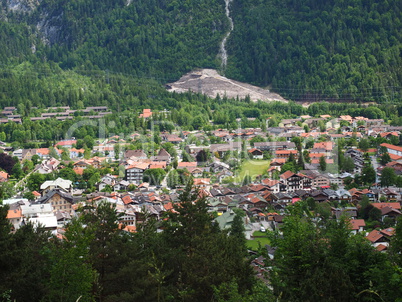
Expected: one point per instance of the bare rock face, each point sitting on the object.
(50, 28)
(24, 6)
(209, 82)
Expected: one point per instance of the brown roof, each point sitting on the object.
(163, 152)
(270, 182)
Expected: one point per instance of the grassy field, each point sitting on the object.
(252, 168)
(253, 244)
(259, 233)
(256, 242)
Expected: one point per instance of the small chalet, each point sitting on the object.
(255, 153)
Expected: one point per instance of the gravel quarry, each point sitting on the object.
(211, 83)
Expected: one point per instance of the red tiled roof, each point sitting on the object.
(168, 206)
(138, 165)
(127, 199)
(157, 165)
(374, 236)
(384, 134)
(328, 146)
(270, 182)
(394, 156)
(183, 164)
(285, 152)
(393, 205)
(201, 181)
(287, 174)
(130, 228)
(67, 142)
(14, 214)
(327, 160)
(278, 160)
(381, 247)
(312, 155)
(393, 147)
(357, 223)
(146, 113)
(388, 232)
(43, 151)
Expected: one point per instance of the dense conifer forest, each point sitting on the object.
(120, 54)
(313, 49)
(305, 50)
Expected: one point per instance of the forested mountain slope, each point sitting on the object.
(157, 38)
(316, 49)
(309, 49)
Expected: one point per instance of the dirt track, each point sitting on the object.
(209, 82)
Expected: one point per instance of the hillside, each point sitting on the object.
(304, 50)
(210, 83)
(315, 49)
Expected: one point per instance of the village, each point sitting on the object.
(342, 166)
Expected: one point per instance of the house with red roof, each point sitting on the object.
(256, 153)
(392, 149)
(295, 181)
(3, 176)
(357, 225)
(146, 113)
(272, 185)
(388, 135)
(377, 237)
(285, 153)
(134, 173)
(388, 209)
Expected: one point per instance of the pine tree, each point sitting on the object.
(196, 250)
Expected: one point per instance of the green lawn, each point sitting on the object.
(259, 233)
(253, 244)
(252, 168)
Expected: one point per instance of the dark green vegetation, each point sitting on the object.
(187, 111)
(319, 260)
(307, 49)
(315, 50)
(159, 39)
(191, 260)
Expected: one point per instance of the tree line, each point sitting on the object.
(317, 258)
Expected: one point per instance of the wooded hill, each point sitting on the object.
(315, 49)
(310, 49)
